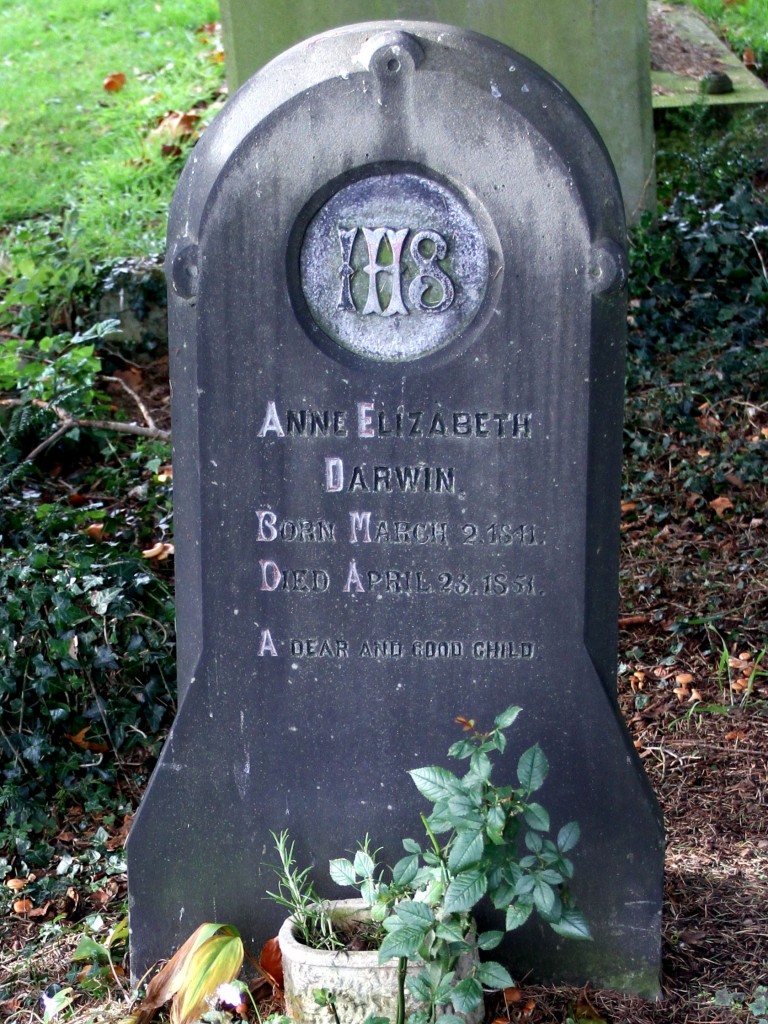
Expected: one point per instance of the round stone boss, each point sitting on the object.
(394, 266)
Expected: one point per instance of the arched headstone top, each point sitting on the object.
(454, 79)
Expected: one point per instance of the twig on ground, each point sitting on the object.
(129, 391)
(73, 422)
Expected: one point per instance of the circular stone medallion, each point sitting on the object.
(394, 267)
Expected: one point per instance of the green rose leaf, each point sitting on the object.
(435, 783)
(343, 872)
(419, 987)
(465, 890)
(506, 718)
(450, 932)
(532, 768)
(461, 749)
(517, 914)
(489, 940)
(364, 863)
(403, 941)
(543, 896)
(572, 925)
(405, 870)
(568, 836)
(537, 817)
(493, 975)
(467, 995)
(466, 851)
(417, 914)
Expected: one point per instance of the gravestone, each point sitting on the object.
(397, 269)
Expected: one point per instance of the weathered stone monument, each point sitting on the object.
(598, 49)
(397, 269)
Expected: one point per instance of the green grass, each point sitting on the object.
(85, 178)
(744, 23)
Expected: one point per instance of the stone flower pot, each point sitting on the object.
(360, 984)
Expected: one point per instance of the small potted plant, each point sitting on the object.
(414, 923)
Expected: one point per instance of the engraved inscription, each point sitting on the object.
(430, 290)
(394, 266)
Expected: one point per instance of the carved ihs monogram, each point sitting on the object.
(429, 290)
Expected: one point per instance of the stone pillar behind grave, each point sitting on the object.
(598, 49)
(397, 372)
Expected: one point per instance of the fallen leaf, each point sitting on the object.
(118, 840)
(79, 740)
(40, 911)
(159, 551)
(211, 955)
(585, 1011)
(719, 505)
(271, 962)
(177, 124)
(513, 995)
(114, 82)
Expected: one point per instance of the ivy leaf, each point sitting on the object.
(466, 851)
(435, 783)
(532, 768)
(464, 891)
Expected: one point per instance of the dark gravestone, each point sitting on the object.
(397, 302)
